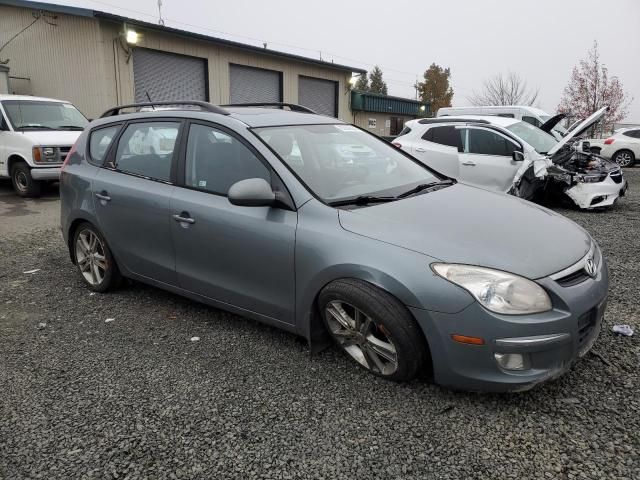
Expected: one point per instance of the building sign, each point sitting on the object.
(372, 123)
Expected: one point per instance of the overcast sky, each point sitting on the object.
(539, 39)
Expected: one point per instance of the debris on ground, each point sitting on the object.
(41, 325)
(109, 320)
(625, 330)
(195, 339)
(31, 271)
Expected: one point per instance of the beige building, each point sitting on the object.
(97, 60)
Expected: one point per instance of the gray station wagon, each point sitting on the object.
(269, 211)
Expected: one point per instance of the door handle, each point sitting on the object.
(103, 196)
(183, 219)
(469, 164)
(420, 149)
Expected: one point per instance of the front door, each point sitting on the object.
(486, 159)
(241, 256)
(132, 197)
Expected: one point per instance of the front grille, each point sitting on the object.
(586, 324)
(616, 176)
(573, 278)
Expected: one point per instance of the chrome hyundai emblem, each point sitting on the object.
(590, 267)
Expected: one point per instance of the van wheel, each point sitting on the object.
(23, 183)
(374, 329)
(94, 259)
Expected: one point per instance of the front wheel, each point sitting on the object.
(22, 181)
(374, 329)
(94, 259)
(624, 158)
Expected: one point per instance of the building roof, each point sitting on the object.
(84, 12)
(379, 103)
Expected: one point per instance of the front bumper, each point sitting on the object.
(46, 173)
(600, 194)
(551, 341)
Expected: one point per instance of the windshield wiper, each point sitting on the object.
(34, 127)
(70, 127)
(361, 200)
(424, 186)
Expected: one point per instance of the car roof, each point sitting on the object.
(491, 119)
(30, 98)
(251, 116)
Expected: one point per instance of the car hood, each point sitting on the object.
(582, 127)
(464, 224)
(48, 138)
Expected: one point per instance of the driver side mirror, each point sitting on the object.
(586, 146)
(252, 192)
(517, 156)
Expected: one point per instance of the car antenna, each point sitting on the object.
(146, 92)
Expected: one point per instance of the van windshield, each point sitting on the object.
(43, 115)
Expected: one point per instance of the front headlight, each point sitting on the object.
(500, 292)
(46, 154)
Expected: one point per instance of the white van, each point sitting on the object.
(36, 134)
(531, 115)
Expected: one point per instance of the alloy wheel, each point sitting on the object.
(624, 159)
(367, 342)
(91, 257)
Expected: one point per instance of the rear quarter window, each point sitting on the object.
(99, 142)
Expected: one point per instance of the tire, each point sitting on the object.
(22, 181)
(376, 325)
(624, 158)
(94, 259)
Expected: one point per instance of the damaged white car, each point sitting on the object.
(512, 156)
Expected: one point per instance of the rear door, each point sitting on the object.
(486, 159)
(132, 195)
(438, 148)
(241, 256)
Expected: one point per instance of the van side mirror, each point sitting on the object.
(252, 192)
(586, 146)
(517, 156)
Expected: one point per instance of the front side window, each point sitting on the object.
(43, 115)
(216, 160)
(341, 162)
(146, 149)
(100, 141)
(540, 140)
(486, 142)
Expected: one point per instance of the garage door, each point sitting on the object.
(251, 85)
(167, 76)
(318, 94)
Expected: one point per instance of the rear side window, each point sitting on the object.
(100, 141)
(506, 115)
(216, 160)
(532, 120)
(146, 149)
(632, 133)
(404, 131)
(486, 142)
(444, 136)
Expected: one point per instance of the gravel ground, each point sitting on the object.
(136, 398)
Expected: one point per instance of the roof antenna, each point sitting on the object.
(160, 20)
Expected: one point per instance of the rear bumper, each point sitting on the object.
(50, 173)
(550, 342)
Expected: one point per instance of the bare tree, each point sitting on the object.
(509, 89)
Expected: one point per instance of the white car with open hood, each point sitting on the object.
(36, 134)
(512, 156)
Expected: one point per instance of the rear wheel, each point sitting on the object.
(374, 329)
(22, 181)
(94, 259)
(624, 158)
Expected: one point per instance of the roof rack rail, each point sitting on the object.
(445, 119)
(196, 103)
(283, 105)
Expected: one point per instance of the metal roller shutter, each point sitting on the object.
(319, 95)
(251, 85)
(167, 76)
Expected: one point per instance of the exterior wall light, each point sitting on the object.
(132, 37)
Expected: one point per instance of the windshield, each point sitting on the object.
(43, 115)
(538, 139)
(340, 162)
